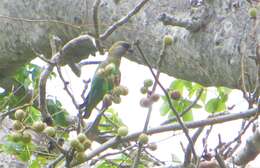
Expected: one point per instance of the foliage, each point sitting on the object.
(28, 79)
(189, 90)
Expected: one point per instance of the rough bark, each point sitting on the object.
(208, 54)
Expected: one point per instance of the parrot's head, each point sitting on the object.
(119, 49)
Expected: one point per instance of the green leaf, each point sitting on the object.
(177, 85)
(215, 105)
(19, 149)
(164, 109)
(34, 164)
(223, 91)
(203, 96)
(33, 115)
(188, 116)
(59, 114)
(194, 89)
(39, 161)
(188, 85)
(112, 121)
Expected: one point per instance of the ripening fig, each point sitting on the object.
(116, 99)
(74, 143)
(109, 68)
(123, 90)
(152, 146)
(107, 100)
(20, 115)
(80, 148)
(253, 12)
(50, 131)
(145, 102)
(87, 144)
(38, 126)
(143, 138)
(26, 137)
(122, 131)
(117, 1)
(175, 95)
(81, 137)
(144, 90)
(17, 125)
(101, 72)
(148, 82)
(16, 136)
(168, 40)
(117, 91)
(155, 97)
(80, 157)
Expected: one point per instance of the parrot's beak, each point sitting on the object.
(130, 50)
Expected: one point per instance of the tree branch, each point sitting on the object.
(174, 127)
(123, 20)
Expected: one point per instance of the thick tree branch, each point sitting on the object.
(174, 127)
(24, 30)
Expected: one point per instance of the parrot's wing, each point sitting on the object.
(76, 69)
(99, 88)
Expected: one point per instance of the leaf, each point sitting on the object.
(203, 96)
(105, 164)
(224, 91)
(111, 122)
(188, 85)
(188, 116)
(177, 85)
(59, 114)
(19, 149)
(37, 162)
(34, 164)
(194, 89)
(215, 105)
(33, 115)
(164, 109)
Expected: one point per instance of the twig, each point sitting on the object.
(159, 62)
(111, 154)
(46, 117)
(4, 114)
(184, 128)
(219, 159)
(241, 133)
(85, 88)
(96, 122)
(41, 56)
(53, 163)
(123, 20)
(187, 157)
(173, 127)
(205, 145)
(65, 83)
(96, 25)
(156, 160)
(52, 140)
(89, 63)
(39, 20)
(185, 110)
(192, 24)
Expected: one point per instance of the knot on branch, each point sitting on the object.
(200, 16)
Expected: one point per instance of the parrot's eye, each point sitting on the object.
(126, 45)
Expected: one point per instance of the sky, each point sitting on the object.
(133, 115)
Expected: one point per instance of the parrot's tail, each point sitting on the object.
(83, 106)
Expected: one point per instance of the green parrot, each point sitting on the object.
(106, 77)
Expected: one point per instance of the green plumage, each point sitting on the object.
(104, 81)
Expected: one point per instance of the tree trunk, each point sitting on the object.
(209, 40)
